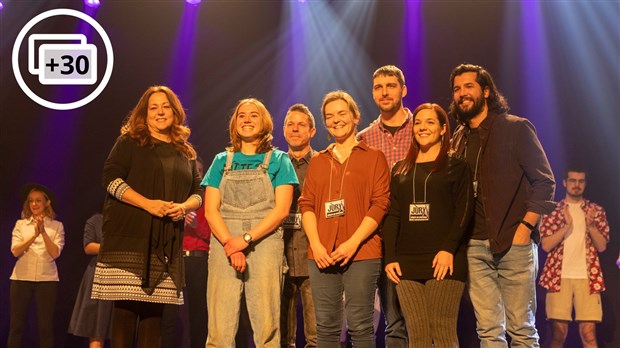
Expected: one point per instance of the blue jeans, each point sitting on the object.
(502, 290)
(395, 326)
(358, 281)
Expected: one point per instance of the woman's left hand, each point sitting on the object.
(442, 263)
(176, 212)
(344, 252)
(235, 244)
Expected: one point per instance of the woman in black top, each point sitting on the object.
(431, 205)
(152, 182)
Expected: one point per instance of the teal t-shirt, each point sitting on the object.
(281, 171)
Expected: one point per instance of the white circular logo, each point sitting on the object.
(67, 64)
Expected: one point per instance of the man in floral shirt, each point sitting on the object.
(573, 235)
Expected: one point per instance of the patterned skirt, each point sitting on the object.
(123, 283)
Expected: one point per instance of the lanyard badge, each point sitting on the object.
(419, 212)
(334, 208)
(292, 221)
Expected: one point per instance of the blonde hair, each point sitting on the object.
(264, 143)
(49, 210)
(340, 95)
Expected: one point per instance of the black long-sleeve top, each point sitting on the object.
(414, 244)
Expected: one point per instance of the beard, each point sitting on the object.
(392, 108)
(575, 194)
(466, 115)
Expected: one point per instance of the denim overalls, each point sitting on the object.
(247, 196)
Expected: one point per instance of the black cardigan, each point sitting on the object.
(133, 231)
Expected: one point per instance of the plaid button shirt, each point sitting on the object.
(394, 147)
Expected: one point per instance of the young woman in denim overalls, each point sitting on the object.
(249, 192)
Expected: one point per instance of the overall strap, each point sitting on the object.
(265, 164)
(229, 158)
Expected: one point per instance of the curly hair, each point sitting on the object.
(135, 125)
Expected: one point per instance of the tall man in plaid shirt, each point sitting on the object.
(573, 235)
(391, 133)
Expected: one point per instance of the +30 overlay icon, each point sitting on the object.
(72, 63)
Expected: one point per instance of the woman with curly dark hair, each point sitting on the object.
(152, 182)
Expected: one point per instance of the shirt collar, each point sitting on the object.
(306, 158)
(360, 145)
(584, 204)
(30, 220)
(408, 118)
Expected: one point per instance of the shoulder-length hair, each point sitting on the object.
(496, 102)
(135, 123)
(404, 166)
(265, 136)
(49, 210)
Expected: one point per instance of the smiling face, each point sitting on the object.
(297, 130)
(469, 97)
(159, 115)
(249, 123)
(37, 202)
(340, 120)
(427, 129)
(388, 93)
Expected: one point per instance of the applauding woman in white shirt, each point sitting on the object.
(37, 241)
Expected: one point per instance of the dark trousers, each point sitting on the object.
(45, 297)
(195, 297)
(294, 286)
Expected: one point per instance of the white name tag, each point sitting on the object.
(292, 221)
(419, 212)
(334, 208)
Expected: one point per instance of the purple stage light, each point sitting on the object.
(1, 6)
(92, 3)
(193, 2)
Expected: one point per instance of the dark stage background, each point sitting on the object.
(556, 62)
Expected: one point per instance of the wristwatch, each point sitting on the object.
(247, 238)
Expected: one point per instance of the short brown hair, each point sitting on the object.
(390, 70)
(304, 110)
